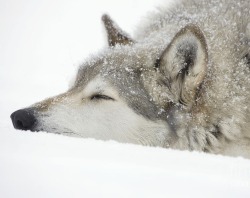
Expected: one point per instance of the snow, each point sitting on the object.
(44, 165)
(41, 45)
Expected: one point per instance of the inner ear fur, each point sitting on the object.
(115, 34)
(184, 63)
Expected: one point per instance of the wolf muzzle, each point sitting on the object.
(24, 119)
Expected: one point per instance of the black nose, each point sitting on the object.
(23, 119)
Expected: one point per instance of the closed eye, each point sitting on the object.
(101, 97)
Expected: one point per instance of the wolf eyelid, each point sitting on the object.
(101, 97)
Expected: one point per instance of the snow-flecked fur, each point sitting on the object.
(182, 82)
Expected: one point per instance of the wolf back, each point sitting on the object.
(182, 82)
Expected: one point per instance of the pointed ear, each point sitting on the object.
(184, 63)
(115, 34)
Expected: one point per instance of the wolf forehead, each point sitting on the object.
(129, 60)
(123, 67)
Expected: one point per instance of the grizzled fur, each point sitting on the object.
(185, 77)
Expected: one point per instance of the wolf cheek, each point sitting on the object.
(182, 83)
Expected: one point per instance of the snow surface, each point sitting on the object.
(41, 45)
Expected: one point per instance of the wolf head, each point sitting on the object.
(134, 92)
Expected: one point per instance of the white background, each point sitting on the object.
(42, 42)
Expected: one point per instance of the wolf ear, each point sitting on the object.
(115, 34)
(184, 63)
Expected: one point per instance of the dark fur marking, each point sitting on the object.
(247, 58)
(187, 54)
(157, 64)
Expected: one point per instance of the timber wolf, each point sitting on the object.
(182, 82)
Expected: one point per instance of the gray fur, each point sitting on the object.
(210, 115)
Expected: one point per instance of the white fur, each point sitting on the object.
(102, 119)
(185, 83)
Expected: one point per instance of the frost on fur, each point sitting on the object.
(183, 82)
(184, 63)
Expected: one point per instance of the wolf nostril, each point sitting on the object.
(19, 123)
(23, 119)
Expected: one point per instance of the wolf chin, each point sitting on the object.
(182, 82)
